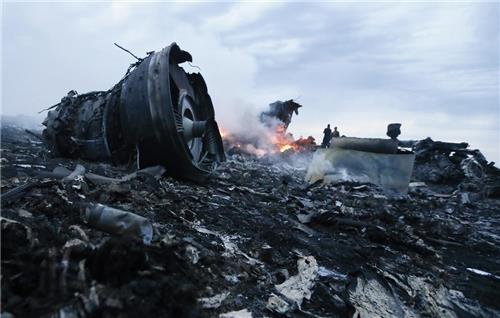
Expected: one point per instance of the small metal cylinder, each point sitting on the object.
(119, 222)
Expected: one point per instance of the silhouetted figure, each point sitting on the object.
(335, 133)
(328, 136)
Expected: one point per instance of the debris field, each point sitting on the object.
(254, 240)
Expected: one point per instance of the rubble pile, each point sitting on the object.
(457, 167)
(256, 240)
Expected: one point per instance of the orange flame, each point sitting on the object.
(223, 132)
(285, 148)
(277, 141)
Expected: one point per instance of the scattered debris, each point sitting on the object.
(192, 254)
(235, 241)
(363, 160)
(393, 130)
(298, 287)
(278, 304)
(281, 111)
(244, 313)
(214, 301)
(118, 222)
(483, 273)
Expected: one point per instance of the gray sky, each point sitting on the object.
(432, 66)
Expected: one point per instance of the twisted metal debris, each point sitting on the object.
(157, 114)
(227, 248)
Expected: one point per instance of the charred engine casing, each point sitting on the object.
(157, 114)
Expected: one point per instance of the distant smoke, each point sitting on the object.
(23, 121)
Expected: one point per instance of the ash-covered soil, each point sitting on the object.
(255, 241)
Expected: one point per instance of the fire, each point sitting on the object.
(272, 142)
(299, 145)
(223, 132)
(268, 136)
(282, 140)
(284, 148)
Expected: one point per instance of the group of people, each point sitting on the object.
(393, 131)
(329, 134)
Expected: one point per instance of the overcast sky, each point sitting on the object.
(434, 67)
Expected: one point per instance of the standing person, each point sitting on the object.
(335, 133)
(328, 135)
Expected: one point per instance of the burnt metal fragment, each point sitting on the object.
(157, 114)
(393, 130)
(375, 145)
(119, 222)
(364, 160)
(282, 111)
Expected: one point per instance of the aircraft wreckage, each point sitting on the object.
(365, 160)
(83, 239)
(156, 115)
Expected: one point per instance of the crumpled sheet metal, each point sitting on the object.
(392, 172)
(214, 301)
(244, 313)
(382, 294)
(296, 288)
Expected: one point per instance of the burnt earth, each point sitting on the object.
(429, 254)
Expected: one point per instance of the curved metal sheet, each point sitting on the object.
(392, 172)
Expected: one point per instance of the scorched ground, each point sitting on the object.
(255, 241)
